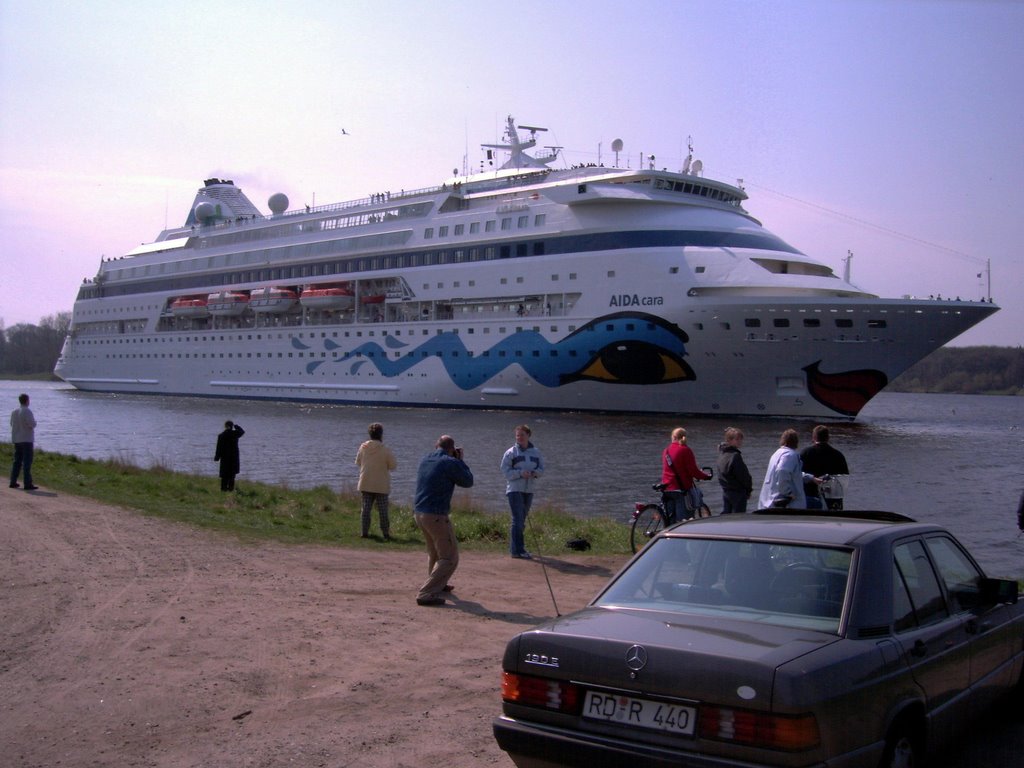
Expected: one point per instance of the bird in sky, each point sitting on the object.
(345, 133)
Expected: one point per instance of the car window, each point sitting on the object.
(959, 574)
(793, 585)
(917, 597)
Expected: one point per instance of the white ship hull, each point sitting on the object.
(590, 290)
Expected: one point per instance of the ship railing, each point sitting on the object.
(363, 202)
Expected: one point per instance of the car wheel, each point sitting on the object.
(902, 749)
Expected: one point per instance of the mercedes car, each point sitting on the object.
(769, 639)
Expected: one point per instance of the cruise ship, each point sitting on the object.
(522, 286)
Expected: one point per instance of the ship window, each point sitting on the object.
(538, 248)
(474, 227)
(522, 222)
(700, 270)
(506, 223)
(539, 219)
(460, 229)
(611, 273)
(581, 189)
(504, 252)
(752, 322)
(781, 322)
(699, 326)
(725, 326)
(442, 232)
(521, 249)
(844, 322)
(489, 226)
(428, 233)
(812, 322)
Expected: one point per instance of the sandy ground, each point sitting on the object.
(129, 641)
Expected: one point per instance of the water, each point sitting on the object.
(952, 459)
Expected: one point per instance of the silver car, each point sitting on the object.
(769, 640)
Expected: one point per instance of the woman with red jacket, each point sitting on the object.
(678, 471)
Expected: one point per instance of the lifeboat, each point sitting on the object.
(372, 298)
(274, 300)
(189, 306)
(333, 297)
(227, 303)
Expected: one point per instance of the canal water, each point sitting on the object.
(953, 459)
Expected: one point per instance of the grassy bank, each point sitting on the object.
(318, 515)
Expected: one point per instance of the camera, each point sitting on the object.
(458, 452)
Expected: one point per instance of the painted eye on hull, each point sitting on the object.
(633, 362)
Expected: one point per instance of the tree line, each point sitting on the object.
(966, 370)
(32, 350)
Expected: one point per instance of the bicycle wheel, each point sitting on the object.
(647, 522)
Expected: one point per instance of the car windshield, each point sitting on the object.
(795, 585)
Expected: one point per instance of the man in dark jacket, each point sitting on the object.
(227, 455)
(733, 475)
(439, 472)
(822, 459)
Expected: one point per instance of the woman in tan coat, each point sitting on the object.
(375, 461)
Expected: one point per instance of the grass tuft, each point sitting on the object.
(316, 515)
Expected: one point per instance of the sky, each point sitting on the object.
(892, 130)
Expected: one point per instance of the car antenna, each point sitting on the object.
(540, 556)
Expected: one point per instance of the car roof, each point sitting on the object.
(848, 528)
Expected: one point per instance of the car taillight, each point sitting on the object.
(540, 692)
(757, 729)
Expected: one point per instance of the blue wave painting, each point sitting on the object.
(621, 348)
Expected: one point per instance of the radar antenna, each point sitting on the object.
(617, 146)
(689, 157)
(517, 147)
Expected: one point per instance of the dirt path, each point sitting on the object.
(128, 641)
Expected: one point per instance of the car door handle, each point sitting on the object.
(919, 649)
(974, 627)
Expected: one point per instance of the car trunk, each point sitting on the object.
(705, 658)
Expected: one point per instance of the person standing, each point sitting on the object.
(822, 459)
(784, 481)
(376, 462)
(438, 474)
(227, 455)
(23, 435)
(733, 475)
(521, 465)
(678, 471)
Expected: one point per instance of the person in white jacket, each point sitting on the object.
(521, 465)
(784, 481)
(23, 426)
(376, 462)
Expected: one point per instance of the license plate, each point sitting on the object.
(641, 713)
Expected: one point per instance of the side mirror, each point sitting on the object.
(995, 591)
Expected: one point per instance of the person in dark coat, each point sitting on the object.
(822, 459)
(733, 475)
(227, 455)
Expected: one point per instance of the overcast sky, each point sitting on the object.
(894, 130)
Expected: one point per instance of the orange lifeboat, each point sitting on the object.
(189, 306)
(273, 300)
(332, 297)
(227, 303)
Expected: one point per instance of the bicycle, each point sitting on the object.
(649, 516)
(832, 491)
